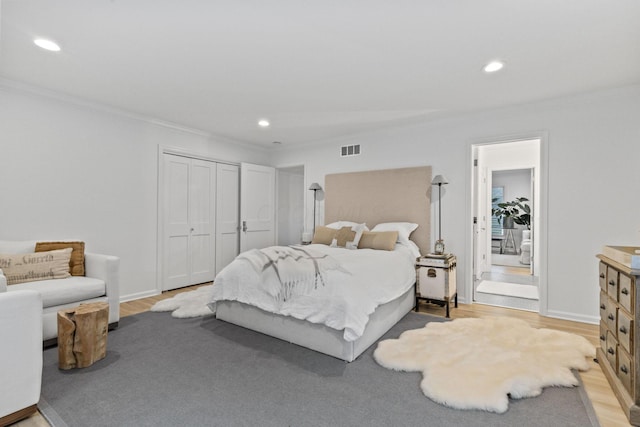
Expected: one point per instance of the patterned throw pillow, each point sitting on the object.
(34, 266)
(76, 264)
(343, 236)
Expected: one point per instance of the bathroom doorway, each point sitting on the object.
(507, 195)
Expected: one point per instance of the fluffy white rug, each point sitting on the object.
(480, 363)
(188, 304)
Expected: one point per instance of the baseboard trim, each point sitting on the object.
(594, 320)
(139, 295)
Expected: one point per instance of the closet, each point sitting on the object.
(201, 205)
(199, 219)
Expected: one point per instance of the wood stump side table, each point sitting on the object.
(82, 335)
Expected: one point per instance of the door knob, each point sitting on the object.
(244, 226)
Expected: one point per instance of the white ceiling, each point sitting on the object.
(317, 69)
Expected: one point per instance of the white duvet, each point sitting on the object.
(365, 279)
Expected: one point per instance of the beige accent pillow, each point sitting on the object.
(381, 240)
(324, 235)
(21, 268)
(76, 264)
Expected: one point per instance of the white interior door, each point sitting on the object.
(189, 221)
(257, 206)
(202, 211)
(176, 219)
(227, 214)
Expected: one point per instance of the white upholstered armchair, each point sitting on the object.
(21, 354)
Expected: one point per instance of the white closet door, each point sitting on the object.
(189, 221)
(202, 211)
(257, 206)
(176, 219)
(227, 214)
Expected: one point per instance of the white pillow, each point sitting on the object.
(339, 224)
(404, 229)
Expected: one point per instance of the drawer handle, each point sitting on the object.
(602, 338)
(603, 307)
(610, 351)
(610, 317)
(612, 283)
(602, 275)
(624, 291)
(624, 369)
(623, 330)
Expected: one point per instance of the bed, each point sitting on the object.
(371, 197)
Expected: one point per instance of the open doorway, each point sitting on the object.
(507, 195)
(290, 213)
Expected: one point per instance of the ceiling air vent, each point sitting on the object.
(350, 150)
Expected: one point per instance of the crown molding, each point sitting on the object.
(24, 88)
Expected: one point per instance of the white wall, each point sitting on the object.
(72, 171)
(593, 159)
(69, 171)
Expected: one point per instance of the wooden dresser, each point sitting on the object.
(619, 351)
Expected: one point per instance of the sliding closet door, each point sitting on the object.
(189, 187)
(227, 214)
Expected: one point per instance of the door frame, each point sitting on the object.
(160, 199)
(541, 210)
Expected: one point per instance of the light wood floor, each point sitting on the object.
(604, 401)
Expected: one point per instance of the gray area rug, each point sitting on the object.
(162, 371)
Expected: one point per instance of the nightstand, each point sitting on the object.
(436, 280)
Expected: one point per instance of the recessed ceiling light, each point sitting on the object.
(263, 123)
(493, 66)
(47, 44)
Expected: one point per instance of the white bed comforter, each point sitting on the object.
(350, 292)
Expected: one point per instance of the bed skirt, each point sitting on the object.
(315, 336)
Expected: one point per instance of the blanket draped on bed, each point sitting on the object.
(297, 270)
(336, 287)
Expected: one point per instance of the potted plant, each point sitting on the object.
(515, 211)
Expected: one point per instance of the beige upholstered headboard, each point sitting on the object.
(387, 195)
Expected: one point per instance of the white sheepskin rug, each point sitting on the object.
(188, 304)
(480, 363)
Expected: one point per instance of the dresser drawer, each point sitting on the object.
(609, 314)
(627, 293)
(625, 370)
(602, 270)
(612, 350)
(605, 302)
(612, 282)
(625, 331)
(603, 336)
